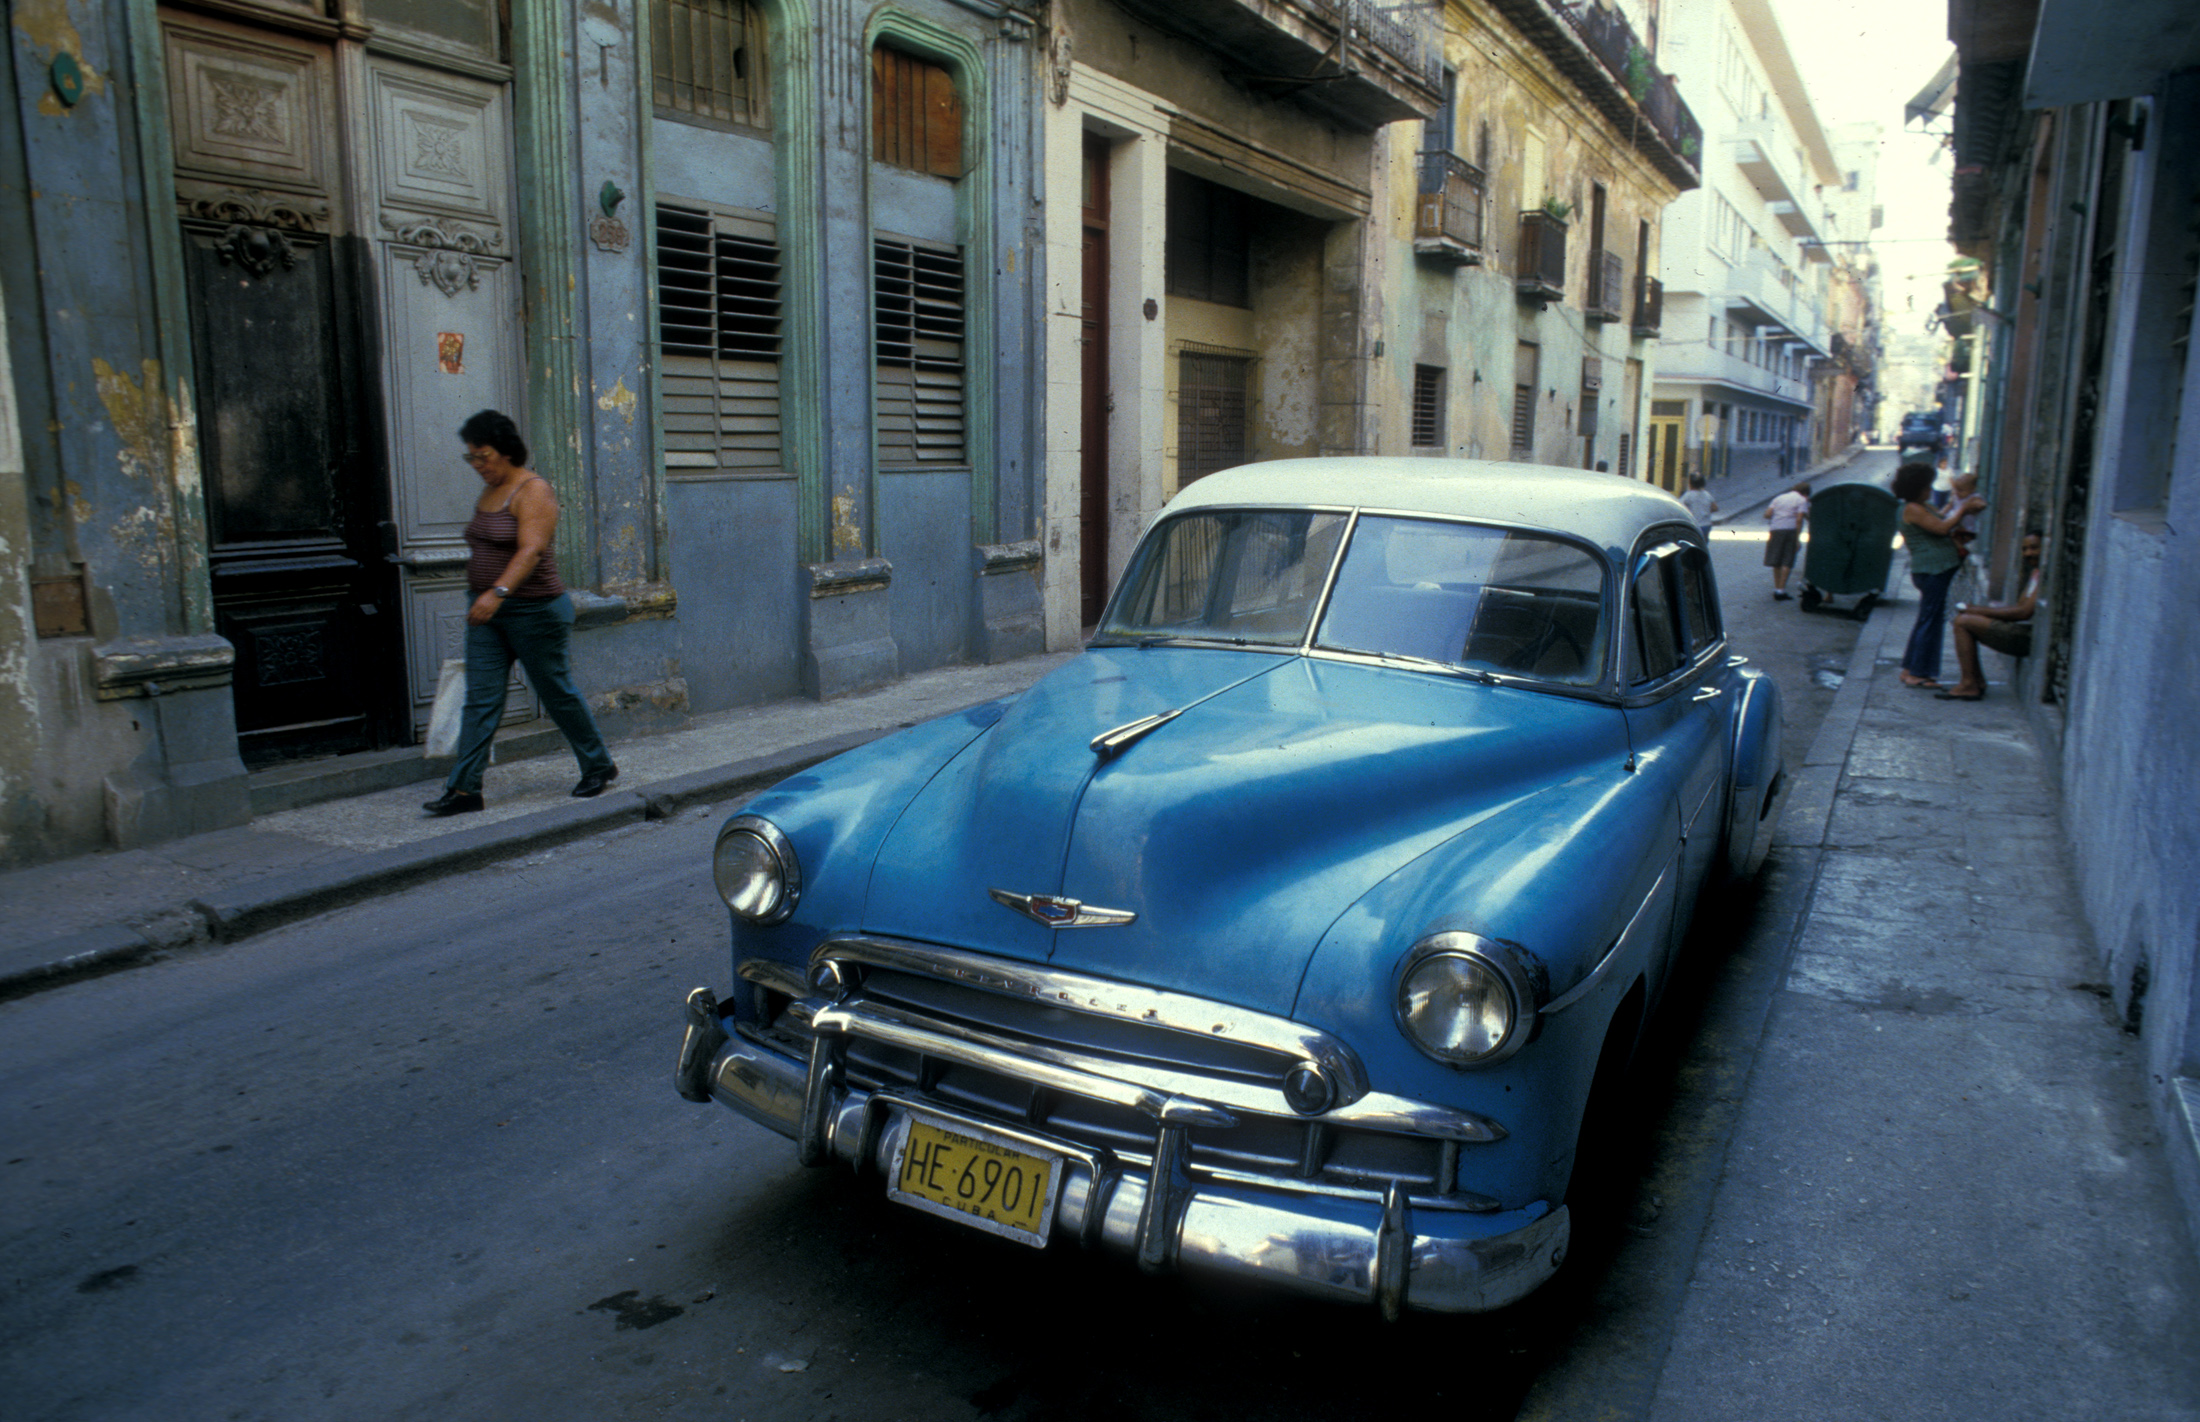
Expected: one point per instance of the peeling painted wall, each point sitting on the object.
(1540, 139)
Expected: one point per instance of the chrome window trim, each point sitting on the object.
(1691, 670)
(1611, 601)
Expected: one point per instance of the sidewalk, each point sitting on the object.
(1924, 1181)
(108, 910)
(1741, 497)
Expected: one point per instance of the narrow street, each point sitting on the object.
(421, 1157)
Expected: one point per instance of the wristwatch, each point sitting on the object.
(502, 593)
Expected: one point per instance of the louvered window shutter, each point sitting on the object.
(718, 291)
(920, 395)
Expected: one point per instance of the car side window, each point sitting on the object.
(1699, 597)
(1655, 640)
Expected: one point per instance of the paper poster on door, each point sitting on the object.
(450, 351)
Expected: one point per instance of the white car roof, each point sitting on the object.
(1606, 509)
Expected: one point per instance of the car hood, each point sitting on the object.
(1237, 832)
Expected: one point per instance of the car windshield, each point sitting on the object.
(1243, 576)
(1469, 596)
(1456, 594)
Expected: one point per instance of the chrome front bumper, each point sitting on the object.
(1390, 1252)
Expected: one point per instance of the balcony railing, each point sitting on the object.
(1541, 259)
(1607, 288)
(1612, 40)
(1649, 305)
(1447, 221)
(1361, 63)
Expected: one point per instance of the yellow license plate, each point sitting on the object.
(978, 1178)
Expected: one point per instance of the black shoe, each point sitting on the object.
(454, 802)
(594, 781)
(1779, 597)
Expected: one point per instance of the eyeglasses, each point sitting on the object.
(477, 460)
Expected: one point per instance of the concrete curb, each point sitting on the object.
(233, 914)
(89, 953)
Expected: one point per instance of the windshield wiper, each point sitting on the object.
(1446, 668)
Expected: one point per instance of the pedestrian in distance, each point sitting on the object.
(2006, 627)
(1934, 558)
(520, 611)
(1786, 514)
(1701, 506)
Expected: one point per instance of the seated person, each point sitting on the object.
(2006, 628)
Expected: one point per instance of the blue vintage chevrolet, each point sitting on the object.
(1288, 932)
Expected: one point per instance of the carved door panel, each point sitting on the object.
(289, 453)
(439, 182)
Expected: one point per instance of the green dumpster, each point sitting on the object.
(1850, 549)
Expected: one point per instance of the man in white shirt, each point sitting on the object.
(1786, 514)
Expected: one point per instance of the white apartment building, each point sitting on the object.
(1744, 256)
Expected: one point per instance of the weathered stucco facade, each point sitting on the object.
(2077, 139)
(1213, 289)
(262, 258)
(1518, 225)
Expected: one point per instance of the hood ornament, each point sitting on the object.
(1052, 912)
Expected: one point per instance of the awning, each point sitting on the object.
(1932, 101)
(2084, 53)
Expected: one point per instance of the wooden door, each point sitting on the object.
(288, 437)
(1092, 471)
(1664, 465)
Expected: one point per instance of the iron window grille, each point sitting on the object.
(1210, 417)
(1428, 407)
(706, 60)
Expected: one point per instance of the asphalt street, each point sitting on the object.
(421, 1157)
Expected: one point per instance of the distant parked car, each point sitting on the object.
(1921, 430)
(1290, 931)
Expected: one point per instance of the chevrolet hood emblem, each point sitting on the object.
(1055, 912)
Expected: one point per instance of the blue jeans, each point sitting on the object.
(534, 630)
(1922, 656)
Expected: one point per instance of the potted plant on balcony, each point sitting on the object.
(1557, 208)
(1638, 73)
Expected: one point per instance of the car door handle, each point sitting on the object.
(1708, 693)
(1736, 661)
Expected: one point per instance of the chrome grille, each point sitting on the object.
(1268, 1145)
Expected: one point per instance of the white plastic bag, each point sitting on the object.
(450, 709)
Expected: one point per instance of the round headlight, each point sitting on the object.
(1459, 1004)
(754, 868)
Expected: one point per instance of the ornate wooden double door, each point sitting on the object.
(345, 210)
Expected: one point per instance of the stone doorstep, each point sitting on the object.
(296, 784)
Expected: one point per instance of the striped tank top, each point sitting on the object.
(492, 541)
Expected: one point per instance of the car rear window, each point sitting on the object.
(1472, 596)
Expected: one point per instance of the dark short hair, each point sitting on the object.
(1803, 488)
(493, 429)
(1912, 482)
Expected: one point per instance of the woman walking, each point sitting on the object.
(521, 610)
(1934, 558)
